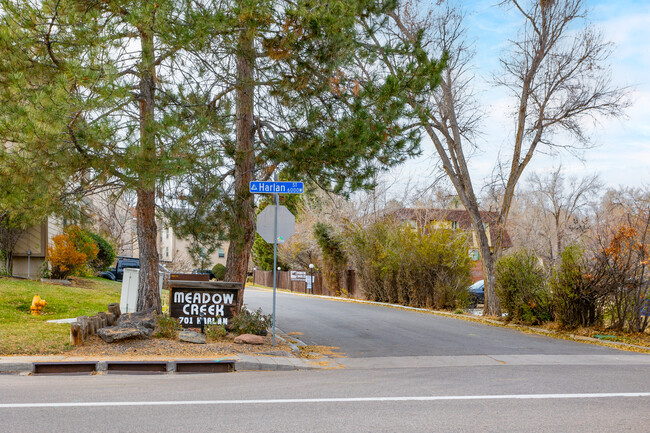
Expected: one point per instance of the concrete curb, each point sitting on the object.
(25, 365)
(16, 367)
(295, 347)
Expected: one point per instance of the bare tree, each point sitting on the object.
(562, 203)
(555, 75)
(112, 212)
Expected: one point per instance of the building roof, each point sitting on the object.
(424, 216)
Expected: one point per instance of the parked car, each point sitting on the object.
(205, 271)
(117, 273)
(476, 293)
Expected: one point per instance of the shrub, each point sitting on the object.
(105, 255)
(575, 297)
(83, 241)
(520, 286)
(334, 258)
(619, 271)
(215, 332)
(71, 252)
(262, 253)
(219, 271)
(417, 267)
(44, 270)
(167, 327)
(251, 322)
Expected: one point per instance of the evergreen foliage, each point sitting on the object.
(305, 98)
(105, 254)
(159, 97)
(262, 251)
(219, 271)
(335, 259)
(86, 87)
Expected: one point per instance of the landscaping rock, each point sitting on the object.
(146, 319)
(191, 337)
(118, 333)
(249, 339)
(130, 326)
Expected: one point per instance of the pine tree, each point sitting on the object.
(295, 89)
(99, 86)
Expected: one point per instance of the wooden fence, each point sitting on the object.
(265, 278)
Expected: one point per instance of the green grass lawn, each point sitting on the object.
(24, 334)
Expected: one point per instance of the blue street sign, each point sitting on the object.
(259, 187)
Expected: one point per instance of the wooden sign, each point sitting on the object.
(190, 277)
(207, 302)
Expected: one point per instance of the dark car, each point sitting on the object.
(476, 293)
(117, 273)
(204, 271)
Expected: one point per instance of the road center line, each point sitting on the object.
(329, 400)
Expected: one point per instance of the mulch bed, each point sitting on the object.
(166, 348)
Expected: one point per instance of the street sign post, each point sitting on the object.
(278, 218)
(260, 187)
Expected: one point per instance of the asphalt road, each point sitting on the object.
(449, 399)
(366, 331)
(405, 372)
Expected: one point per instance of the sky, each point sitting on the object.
(621, 152)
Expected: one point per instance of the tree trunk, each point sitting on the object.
(242, 229)
(492, 302)
(148, 294)
(488, 258)
(9, 262)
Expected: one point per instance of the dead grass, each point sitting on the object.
(315, 352)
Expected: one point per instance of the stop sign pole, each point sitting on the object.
(276, 199)
(275, 188)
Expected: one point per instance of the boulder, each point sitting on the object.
(130, 326)
(249, 339)
(191, 337)
(143, 318)
(118, 333)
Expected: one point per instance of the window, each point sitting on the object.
(166, 251)
(167, 233)
(222, 253)
(454, 225)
